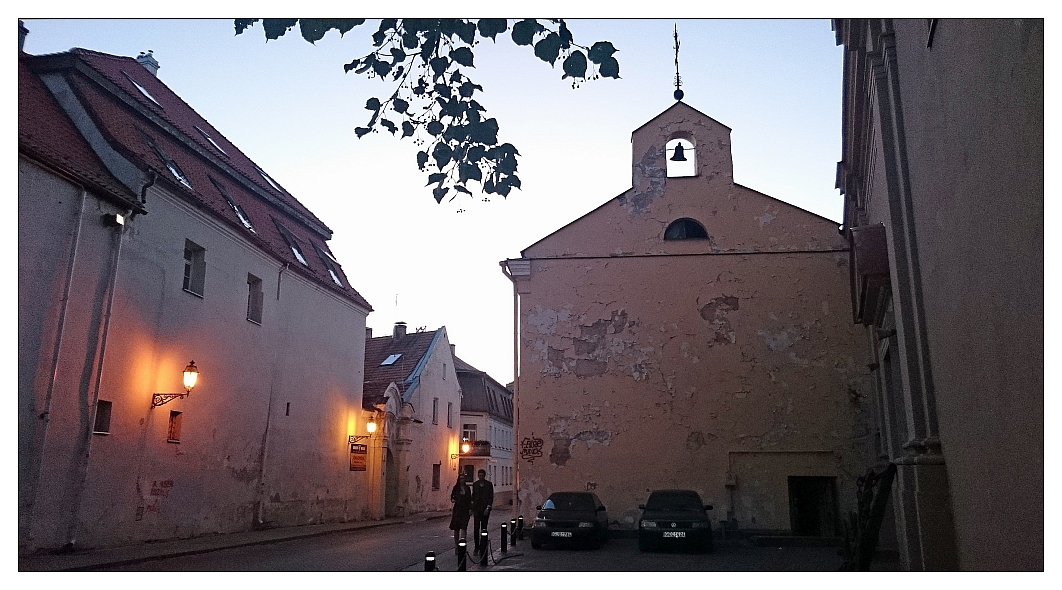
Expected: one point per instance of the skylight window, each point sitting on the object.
(329, 262)
(240, 213)
(143, 90)
(267, 178)
(391, 359)
(172, 166)
(211, 140)
(290, 239)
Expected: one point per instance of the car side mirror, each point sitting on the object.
(538, 508)
(708, 507)
(641, 507)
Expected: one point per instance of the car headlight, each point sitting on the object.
(701, 525)
(586, 525)
(648, 524)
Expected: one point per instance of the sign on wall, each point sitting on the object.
(357, 457)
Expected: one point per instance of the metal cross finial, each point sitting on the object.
(678, 79)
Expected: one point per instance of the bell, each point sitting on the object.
(680, 155)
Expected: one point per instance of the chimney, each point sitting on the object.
(148, 61)
(22, 32)
(453, 350)
(368, 333)
(400, 330)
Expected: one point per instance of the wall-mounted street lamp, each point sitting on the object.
(191, 376)
(465, 446)
(370, 426)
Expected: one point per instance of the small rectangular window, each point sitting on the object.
(194, 268)
(390, 360)
(102, 423)
(436, 475)
(449, 414)
(174, 433)
(468, 432)
(435, 410)
(255, 298)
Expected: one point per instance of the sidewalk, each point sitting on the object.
(446, 560)
(128, 554)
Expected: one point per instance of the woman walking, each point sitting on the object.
(461, 496)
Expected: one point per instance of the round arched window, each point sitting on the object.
(685, 229)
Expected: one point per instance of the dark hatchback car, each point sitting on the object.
(674, 518)
(570, 517)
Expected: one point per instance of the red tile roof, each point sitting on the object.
(131, 123)
(412, 347)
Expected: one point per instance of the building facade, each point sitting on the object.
(412, 390)
(487, 429)
(691, 333)
(942, 174)
(146, 241)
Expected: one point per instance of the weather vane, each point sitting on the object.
(678, 79)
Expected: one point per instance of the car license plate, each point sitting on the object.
(560, 533)
(675, 534)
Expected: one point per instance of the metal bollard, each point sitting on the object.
(512, 531)
(429, 561)
(484, 544)
(504, 538)
(462, 556)
(520, 526)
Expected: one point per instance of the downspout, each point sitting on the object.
(258, 520)
(516, 385)
(79, 490)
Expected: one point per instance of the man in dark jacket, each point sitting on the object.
(482, 501)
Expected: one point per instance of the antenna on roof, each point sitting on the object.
(678, 79)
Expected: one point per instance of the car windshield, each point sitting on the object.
(674, 501)
(570, 501)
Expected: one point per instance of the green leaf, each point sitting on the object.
(440, 193)
(470, 171)
(360, 131)
(548, 48)
(524, 31)
(436, 177)
(565, 35)
(313, 29)
(462, 189)
(381, 67)
(407, 129)
(463, 56)
(389, 125)
(435, 127)
(410, 40)
(439, 65)
(243, 23)
(351, 66)
(609, 68)
(442, 154)
(365, 64)
(400, 105)
(373, 104)
(275, 28)
(601, 51)
(467, 88)
(422, 159)
(466, 30)
(575, 65)
(397, 55)
(485, 132)
(490, 27)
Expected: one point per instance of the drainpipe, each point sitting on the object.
(83, 467)
(516, 385)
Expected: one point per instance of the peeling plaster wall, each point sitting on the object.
(647, 364)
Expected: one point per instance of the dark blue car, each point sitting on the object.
(674, 518)
(570, 518)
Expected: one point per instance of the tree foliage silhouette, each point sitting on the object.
(434, 99)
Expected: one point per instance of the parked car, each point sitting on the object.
(674, 518)
(570, 517)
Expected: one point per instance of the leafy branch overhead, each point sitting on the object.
(434, 101)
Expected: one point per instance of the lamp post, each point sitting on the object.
(191, 376)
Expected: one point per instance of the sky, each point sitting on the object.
(290, 107)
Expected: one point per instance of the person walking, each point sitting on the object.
(461, 496)
(482, 502)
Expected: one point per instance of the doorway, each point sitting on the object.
(813, 506)
(391, 486)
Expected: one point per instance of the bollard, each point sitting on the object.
(462, 556)
(512, 532)
(484, 544)
(504, 539)
(520, 526)
(429, 561)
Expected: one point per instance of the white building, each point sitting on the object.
(487, 429)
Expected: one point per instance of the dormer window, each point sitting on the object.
(142, 90)
(685, 229)
(681, 158)
(330, 263)
(268, 179)
(172, 166)
(211, 140)
(240, 213)
(390, 360)
(290, 239)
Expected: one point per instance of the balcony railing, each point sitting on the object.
(478, 448)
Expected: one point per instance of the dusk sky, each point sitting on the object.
(289, 106)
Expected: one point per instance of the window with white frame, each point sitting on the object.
(194, 268)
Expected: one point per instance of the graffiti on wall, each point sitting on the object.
(531, 449)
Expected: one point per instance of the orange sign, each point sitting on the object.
(357, 457)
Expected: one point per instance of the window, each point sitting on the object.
(681, 158)
(102, 423)
(174, 434)
(390, 360)
(143, 90)
(444, 371)
(254, 299)
(210, 139)
(172, 166)
(685, 229)
(194, 268)
(468, 431)
(436, 475)
(268, 179)
(290, 239)
(449, 414)
(240, 213)
(329, 262)
(435, 410)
